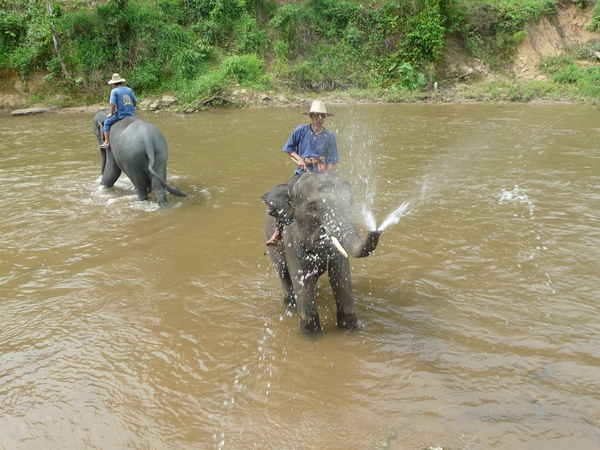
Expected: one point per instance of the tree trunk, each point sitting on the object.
(55, 40)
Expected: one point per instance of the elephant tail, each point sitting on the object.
(173, 190)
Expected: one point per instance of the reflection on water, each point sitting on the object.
(129, 326)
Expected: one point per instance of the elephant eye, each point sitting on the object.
(312, 207)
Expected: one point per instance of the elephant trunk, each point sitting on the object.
(351, 243)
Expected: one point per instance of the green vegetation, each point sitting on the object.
(198, 49)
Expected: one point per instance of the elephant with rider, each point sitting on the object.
(318, 235)
(139, 149)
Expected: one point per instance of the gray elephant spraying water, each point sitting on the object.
(139, 149)
(318, 236)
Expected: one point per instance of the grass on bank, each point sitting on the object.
(388, 50)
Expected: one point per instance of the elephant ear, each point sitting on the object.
(99, 119)
(279, 203)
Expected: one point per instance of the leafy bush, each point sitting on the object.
(565, 72)
(519, 37)
(595, 22)
(333, 16)
(204, 87)
(570, 74)
(295, 27)
(248, 35)
(353, 36)
(13, 30)
(554, 64)
(282, 50)
(408, 78)
(24, 34)
(146, 76)
(302, 75)
(242, 69)
(425, 40)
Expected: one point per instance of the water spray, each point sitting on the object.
(394, 217)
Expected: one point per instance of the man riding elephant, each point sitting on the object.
(122, 104)
(139, 149)
(313, 147)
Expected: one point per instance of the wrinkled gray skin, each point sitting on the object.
(139, 149)
(320, 206)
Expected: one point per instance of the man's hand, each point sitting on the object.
(298, 160)
(302, 165)
(317, 163)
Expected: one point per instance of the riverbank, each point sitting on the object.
(556, 60)
(462, 79)
(493, 89)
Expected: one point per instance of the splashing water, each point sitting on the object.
(368, 217)
(360, 162)
(517, 195)
(362, 153)
(394, 217)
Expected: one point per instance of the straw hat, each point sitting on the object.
(116, 78)
(318, 107)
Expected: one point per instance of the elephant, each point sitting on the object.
(318, 234)
(139, 149)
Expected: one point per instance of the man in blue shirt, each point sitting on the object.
(122, 104)
(313, 148)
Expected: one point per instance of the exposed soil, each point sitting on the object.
(550, 37)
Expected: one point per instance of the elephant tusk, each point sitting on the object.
(338, 245)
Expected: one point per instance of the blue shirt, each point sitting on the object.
(307, 144)
(124, 98)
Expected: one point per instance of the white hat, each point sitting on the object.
(116, 78)
(318, 107)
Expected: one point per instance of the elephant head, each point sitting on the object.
(320, 203)
(98, 130)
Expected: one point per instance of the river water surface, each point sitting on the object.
(128, 326)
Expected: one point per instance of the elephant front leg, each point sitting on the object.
(341, 284)
(304, 286)
(289, 296)
(277, 255)
(307, 310)
(287, 285)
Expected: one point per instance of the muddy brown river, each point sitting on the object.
(128, 326)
